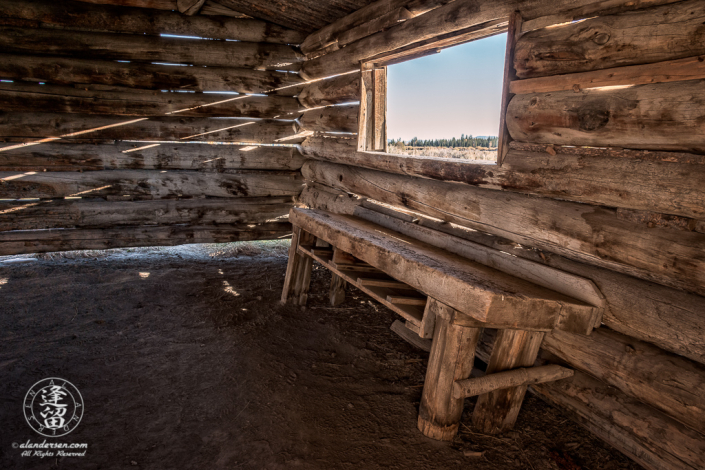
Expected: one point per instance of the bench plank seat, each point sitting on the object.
(482, 293)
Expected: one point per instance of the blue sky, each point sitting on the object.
(444, 95)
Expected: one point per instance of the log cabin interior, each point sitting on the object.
(574, 267)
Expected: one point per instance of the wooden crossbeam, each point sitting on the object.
(512, 378)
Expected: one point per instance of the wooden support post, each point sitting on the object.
(508, 379)
(298, 271)
(451, 359)
(514, 31)
(497, 411)
(337, 290)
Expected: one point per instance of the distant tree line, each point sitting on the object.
(463, 141)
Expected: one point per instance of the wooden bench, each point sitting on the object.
(447, 298)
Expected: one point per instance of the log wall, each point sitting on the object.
(130, 126)
(603, 178)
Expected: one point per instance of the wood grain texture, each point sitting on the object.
(329, 119)
(451, 359)
(635, 429)
(75, 71)
(497, 411)
(670, 383)
(636, 37)
(662, 116)
(690, 68)
(134, 47)
(130, 156)
(25, 98)
(86, 213)
(154, 4)
(41, 241)
(666, 182)
(337, 90)
(20, 127)
(669, 318)
(149, 183)
(508, 379)
(450, 18)
(483, 293)
(596, 235)
(112, 19)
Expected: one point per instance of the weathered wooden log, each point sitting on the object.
(132, 156)
(665, 381)
(668, 318)
(329, 119)
(189, 7)
(497, 411)
(455, 16)
(86, 128)
(298, 270)
(154, 4)
(25, 98)
(41, 241)
(213, 8)
(591, 234)
(337, 90)
(329, 34)
(381, 23)
(690, 68)
(637, 37)
(73, 15)
(86, 213)
(662, 182)
(65, 71)
(410, 336)
(599, 8)
(451, 359)
(107, 46)
(646, 435)
(157, 184)
(663, 116)
(513, 378)
(308, 16)
(556, 280)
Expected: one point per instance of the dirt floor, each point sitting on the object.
(186, 360)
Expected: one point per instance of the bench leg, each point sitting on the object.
(497, 411)
(337, 290)
(451, 359)
(298, 271)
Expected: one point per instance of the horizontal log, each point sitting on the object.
(25, 98)
(591, 234)
(669, 318)
(337, 90)
(568, 173)
(651, 438)
(329, 119)
(88, 128)
(116, 46)
(638, 37)
(149, 183)
(455, 16)
(507, 379)
(380, 23)
(86, 213)
(667, 382)
(73, 71)
(132, 156)
(690, 68)
(73, 15)
(599, 8)
(154, 4)
(216, 9)
(329, 34)
(41, 241)
(662, 116)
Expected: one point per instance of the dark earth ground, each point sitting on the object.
(186, 360)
